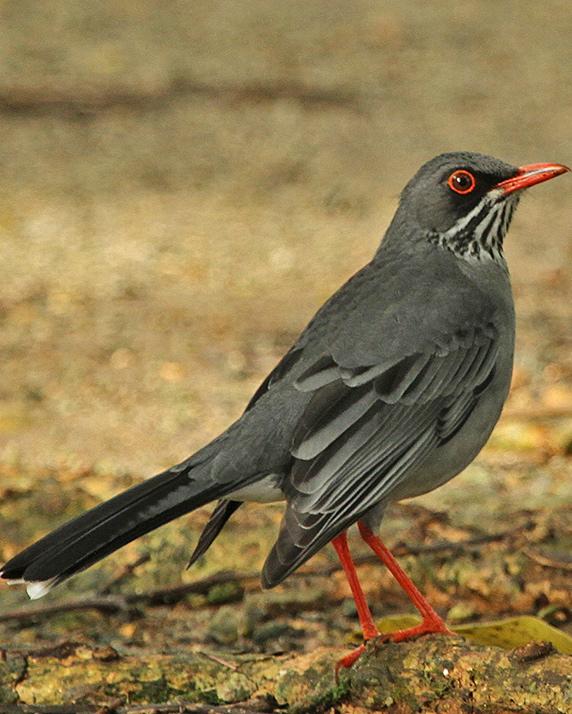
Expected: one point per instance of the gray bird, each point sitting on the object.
(391, 390)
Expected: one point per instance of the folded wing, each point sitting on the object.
(365, 430)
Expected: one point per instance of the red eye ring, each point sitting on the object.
(461, 181)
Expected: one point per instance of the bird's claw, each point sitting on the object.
(427, 627)
(347, 661)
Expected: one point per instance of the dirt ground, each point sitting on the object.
(181, 186)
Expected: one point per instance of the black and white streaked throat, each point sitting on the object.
(479, 234)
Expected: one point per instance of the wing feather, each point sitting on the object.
(330, 413)
(366, 428)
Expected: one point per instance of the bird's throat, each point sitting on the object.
(479, 234)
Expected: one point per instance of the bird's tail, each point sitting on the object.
(90, 537)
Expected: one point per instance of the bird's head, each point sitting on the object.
(464, 201)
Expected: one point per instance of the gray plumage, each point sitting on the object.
(391, 390)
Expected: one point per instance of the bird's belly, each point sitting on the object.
(449, 459)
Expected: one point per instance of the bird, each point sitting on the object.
(391, 390)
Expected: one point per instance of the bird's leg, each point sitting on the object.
(366, 622)
(431, 623)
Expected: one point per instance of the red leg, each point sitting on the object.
(366, 622)
(431, 623)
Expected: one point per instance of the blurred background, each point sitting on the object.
(182, 184)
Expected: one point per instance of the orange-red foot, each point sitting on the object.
(427, 627)
(349, 660)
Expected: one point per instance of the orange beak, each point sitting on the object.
(530, 175)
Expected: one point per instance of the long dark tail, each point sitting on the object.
(96, 533)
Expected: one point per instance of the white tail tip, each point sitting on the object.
(39, 588)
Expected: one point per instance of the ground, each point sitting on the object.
(181, 188)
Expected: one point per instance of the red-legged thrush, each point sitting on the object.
(391, 390)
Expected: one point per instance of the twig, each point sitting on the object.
(170, 595)
(219, 660)
(547, 561)
(124, 573)
(111, 605)
(402, 549)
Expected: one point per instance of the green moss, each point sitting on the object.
(12, 670)
(313, 689)
(226, 592)
(156, 690)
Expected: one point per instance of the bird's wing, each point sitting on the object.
(366, 427)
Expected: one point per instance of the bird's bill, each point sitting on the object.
(530, 175)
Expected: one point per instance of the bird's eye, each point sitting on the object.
(461, 181)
